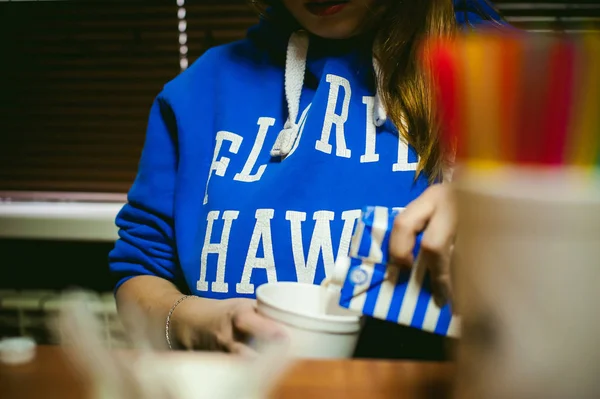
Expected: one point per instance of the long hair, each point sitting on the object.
(403, 84)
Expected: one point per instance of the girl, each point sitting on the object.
(259, 157)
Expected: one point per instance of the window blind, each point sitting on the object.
(77, 79)
(552, 15)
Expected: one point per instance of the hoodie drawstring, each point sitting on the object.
(295, 70)
(380, 116)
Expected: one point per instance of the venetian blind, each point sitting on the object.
(78, 78)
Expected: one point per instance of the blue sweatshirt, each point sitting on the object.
(257, 162)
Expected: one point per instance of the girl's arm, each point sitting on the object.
(145, 264)
(197, 323)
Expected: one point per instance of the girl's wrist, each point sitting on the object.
(194, 324)
(173, 341)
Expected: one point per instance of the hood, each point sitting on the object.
(280, 34)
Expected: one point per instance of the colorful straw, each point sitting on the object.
(585, 147)
(533, 91)
(483, 124)
(526, 99)
(444, 69)
(511, 79)
(558, 102)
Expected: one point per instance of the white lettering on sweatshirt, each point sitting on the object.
(249, 173)
(370, 140)
(337, 120)
(320, 246)
(218, 248)
(403, 165)
(246, 174)
(219, 165)
(261, 234)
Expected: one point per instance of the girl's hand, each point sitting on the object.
(434, 214)
(224, 325)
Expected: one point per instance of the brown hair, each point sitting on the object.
(404, 85)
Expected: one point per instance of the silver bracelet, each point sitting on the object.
(168, 324)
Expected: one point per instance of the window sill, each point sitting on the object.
(70, 221)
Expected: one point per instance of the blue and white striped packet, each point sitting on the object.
(389, 293)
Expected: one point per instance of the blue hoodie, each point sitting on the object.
(257, 162)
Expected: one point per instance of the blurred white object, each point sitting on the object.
(15, 351)
(80, 221)
(158, 374)
(315, 329)
(527, 283)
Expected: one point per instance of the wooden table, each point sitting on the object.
(50, 376)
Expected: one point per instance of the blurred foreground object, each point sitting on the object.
(151, 374)
(518, 98)
(16, 351)
(522, 113)
(526, 280)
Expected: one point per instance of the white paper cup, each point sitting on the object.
(301, 310)
(528, 284)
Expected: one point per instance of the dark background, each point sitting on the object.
(77, 79)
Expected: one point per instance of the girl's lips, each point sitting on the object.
(326, 8)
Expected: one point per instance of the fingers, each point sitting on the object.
(439, 267)
(244, 330)
(438, 237)
(240, 349)
(436, 246)
(434, 214)
(251, 324)
(407, 225)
